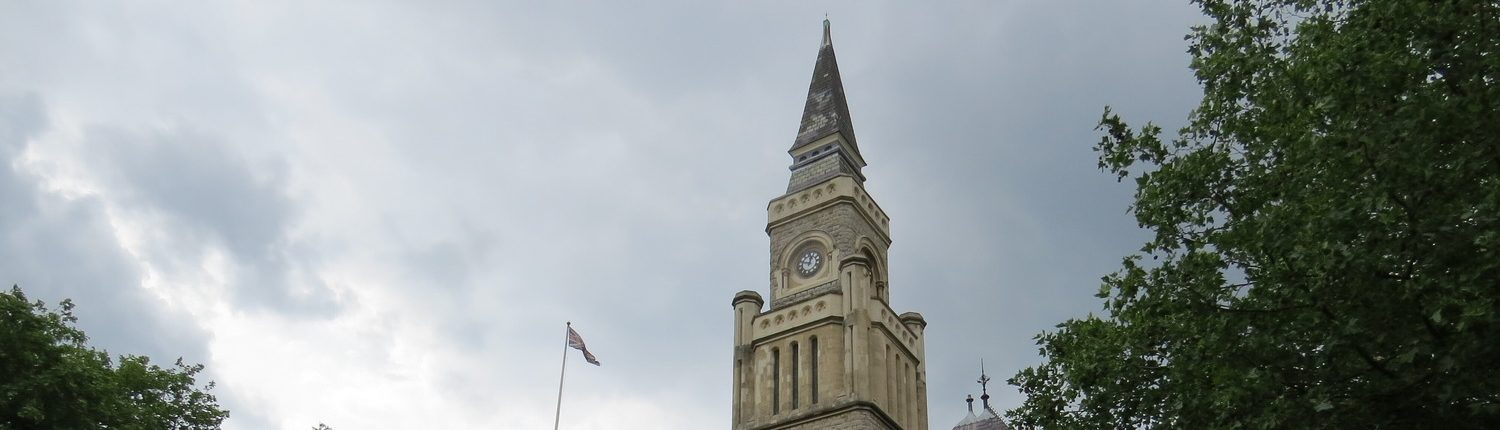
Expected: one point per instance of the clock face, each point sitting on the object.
(809, 263)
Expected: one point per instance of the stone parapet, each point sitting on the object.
(789, 317)
(830, 287)
(841, 415)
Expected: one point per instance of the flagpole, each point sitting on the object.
(557, 418)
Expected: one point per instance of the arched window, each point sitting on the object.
(796, 363)
(875, 279)
(775, 381)
(739, 379)
(813, 346)
(890, 360)
(911, 391)
(896, 391)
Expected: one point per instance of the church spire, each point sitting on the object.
(825, 147)
(826, 112)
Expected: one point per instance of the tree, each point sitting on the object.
(50, 378)
(1326, 247)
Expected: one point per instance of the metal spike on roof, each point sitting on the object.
(984, 384)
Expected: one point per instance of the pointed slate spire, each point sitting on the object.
(825, 145)
(827, 111)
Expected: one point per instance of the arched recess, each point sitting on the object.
(873, 250)
(878, 276)
(787, 254)
(787, 258)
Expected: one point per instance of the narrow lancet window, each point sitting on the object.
(796, 363)
(775, 381)
(814, 368)
(890, 388)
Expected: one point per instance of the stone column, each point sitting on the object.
(747, 305)
(918, 325)
(854, 274)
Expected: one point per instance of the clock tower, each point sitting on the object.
(829, 351)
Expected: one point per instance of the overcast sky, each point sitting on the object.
(378, 215)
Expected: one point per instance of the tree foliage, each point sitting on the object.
(1326, 247)
(50, 378)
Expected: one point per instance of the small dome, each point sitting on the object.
(987, 419)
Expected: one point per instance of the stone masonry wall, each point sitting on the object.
(842, 222)
(815, 172)
(857, 419)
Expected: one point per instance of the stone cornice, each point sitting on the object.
(839, 189)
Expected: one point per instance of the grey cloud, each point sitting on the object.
(982, 133)
(210, 196)
(57, 248)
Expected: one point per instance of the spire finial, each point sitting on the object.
(984, 385)
(827, 32)
(971, 403)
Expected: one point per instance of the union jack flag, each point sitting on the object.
(576, 341)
